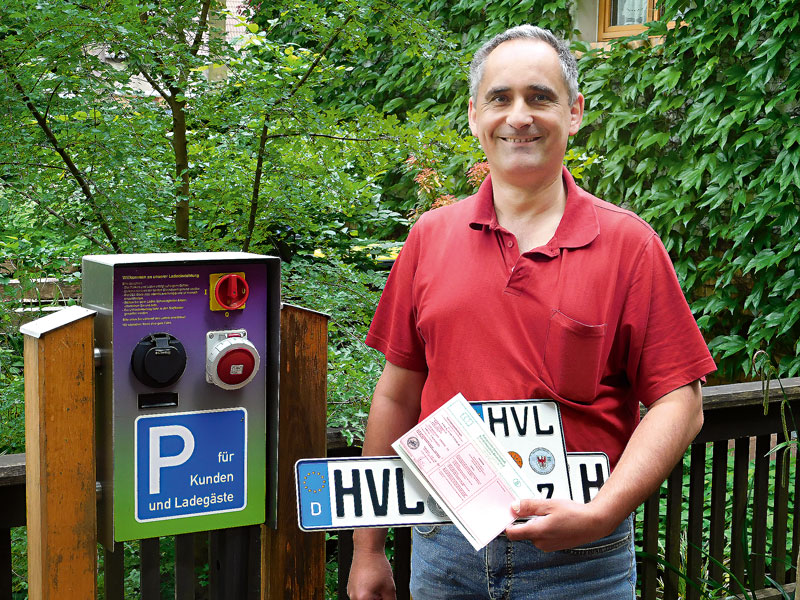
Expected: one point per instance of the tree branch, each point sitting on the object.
(251, 222)
(154, 84)
(317, 60)
(201, 27)
(273, 136)
(39, 165)
(50, 99)
(73, 169)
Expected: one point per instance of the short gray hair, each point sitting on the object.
(569, 66)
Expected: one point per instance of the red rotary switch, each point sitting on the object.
(232, 361)
(231, 291)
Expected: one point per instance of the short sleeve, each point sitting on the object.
(667, 350)
(393, 331)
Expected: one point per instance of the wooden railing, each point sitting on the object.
(706, 513)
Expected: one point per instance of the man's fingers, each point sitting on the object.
(518, 531)
(529, 507)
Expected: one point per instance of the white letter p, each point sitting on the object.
(157, 462)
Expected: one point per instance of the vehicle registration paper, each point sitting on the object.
(459, 461)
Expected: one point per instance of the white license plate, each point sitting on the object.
(347, 493)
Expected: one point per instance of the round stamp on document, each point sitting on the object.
(542, 461)
(412, 443)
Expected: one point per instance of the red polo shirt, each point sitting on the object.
(595, 319)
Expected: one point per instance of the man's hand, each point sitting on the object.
(370, 577)
(559, 524)
(669, 426)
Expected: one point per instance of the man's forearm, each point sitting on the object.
(670, 425)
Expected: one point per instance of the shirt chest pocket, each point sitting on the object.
(572, 357)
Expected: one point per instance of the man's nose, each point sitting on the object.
(519, 114)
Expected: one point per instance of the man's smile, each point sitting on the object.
(519, 140)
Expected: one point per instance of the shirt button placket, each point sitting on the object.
(511, 259)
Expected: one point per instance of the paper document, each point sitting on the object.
(459, 461)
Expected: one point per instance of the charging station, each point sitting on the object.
(187, 391)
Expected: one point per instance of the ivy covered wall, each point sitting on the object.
(700, 135)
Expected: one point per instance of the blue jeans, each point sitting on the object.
(445, 566)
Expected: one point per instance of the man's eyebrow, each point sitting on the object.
(534, 87)
(497, 90)
(545, 89)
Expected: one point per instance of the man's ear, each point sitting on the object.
(471, 115)
(576, 115)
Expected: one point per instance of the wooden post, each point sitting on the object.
(60, 456)
(293, 562)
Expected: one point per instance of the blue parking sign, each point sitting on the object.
(190, 464)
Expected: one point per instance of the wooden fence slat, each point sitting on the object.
(150, 568)
(718, 524)
(184, 566)
(672, 543)
(230, 567)
(202, 560)
(402, 561)
(5, 563)
(60, 460)
(254, 564)
(345, 556)
(114, 572)
(760, 510)
(780, 515)
(214, 566)
(793, 575)
(650, 569)
(293, 561)
(741, 463)
(694, 556)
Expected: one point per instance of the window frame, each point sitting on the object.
(606, 31)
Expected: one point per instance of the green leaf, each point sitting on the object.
(750, 136)
(791, 137)
(727, 345)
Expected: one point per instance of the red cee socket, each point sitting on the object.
(231, 291)
(236, 366)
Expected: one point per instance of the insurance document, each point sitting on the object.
(461, 464)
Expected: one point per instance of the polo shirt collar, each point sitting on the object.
(579, 225)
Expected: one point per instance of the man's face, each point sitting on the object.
(521, 115)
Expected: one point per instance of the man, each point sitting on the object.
(533, 288)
